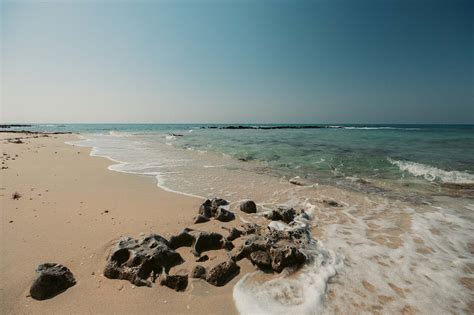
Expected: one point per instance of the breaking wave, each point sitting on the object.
(432, 174)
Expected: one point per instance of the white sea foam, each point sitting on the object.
(431, 173)
(300, 293)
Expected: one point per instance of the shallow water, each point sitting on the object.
(402, 242)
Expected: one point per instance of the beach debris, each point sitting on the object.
(282, 214)
(198, 272)
(214, 208)
(222, 273)
(52, 279)
(248, 206)
(141, 261)
(16, 195)
(332, 203)
(175, 282)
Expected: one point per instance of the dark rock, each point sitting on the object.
(202, 258)
(201, 219)
(224, 215)
(248, 206)
(234, 234)
(198, 272)
(261, 259)
(298, 181)
(250, 228)
(332, 203)
(286, 257)
(52, 279)
(282, 214)
(222, 273)
(182, 239)
(208, 241)
(217, 202)
(141, 261)
(205, 209)
(175, 282)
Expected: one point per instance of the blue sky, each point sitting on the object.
(334, 61)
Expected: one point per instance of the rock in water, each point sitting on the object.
(248, 206)
(52, 280)
(224, 215)
(141, 261)
(175, 282)
(261, 259)
(198, 272)
(222, 273)
(332, 203)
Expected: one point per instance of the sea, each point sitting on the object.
(402, 240)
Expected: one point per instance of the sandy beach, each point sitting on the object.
(70, 211)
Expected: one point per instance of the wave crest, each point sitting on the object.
(432, 174)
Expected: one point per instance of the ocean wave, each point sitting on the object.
(372, 128)
(433, 174)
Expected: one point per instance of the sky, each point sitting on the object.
(334, 61)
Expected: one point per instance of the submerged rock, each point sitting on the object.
(141, 261)
(298, 181)
(222, 273)
(332, 203)
(248, 206)
(52, 279)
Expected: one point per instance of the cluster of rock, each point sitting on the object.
(214, 208)
(143, 261)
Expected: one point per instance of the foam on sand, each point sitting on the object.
(300, 293)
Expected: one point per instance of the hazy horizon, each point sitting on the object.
(336, 62)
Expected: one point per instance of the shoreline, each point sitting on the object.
(87, 207)
(42, 230)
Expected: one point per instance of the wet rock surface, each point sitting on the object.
(286, 215)
(141, 261)
(52, 280)
(248, 206)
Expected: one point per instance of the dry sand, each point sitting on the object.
(70, 211)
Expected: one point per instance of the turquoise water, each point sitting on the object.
(433, 153)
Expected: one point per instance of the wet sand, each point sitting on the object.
(70, 211)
